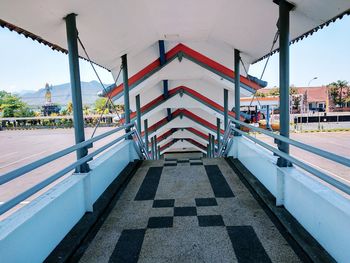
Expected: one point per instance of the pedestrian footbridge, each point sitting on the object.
(182, 178)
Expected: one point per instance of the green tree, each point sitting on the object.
(336, 91)
(103, 106)
(11, 105)
(260, 94)
(24, 112)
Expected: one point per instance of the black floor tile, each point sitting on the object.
(246, 244)
(206, 202)
(196, 163)
(218, 182)
(183, 161)
(160, 222)
(185, 211)
(148, 188)
(164, 203)
(211, 220)
(170, 159)
(128, 246)
(170, 164)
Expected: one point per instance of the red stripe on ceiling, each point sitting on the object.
(166, 135)
(194, 142)
(190, 129)
(192, 53)
(190, 140)
(199, 133)
(155, 64)
(205, 123)
(167, 145)
(186, 113)
(176, 90)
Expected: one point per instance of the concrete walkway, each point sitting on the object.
(188, 211)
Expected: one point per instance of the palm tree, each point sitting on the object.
(336, 91)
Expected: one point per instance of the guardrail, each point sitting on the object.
(227, 140)
(34, 165)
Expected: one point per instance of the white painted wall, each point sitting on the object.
(322, 210)
(32, 232)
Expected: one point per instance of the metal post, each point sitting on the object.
(145, 124)
(155, 147)
(138, 112)
(126, 91)
(73, 57)
(166, 88)
(213, 145)
(209, 146)
(152, 147)
(162, 57)
(237, 89)
(208, 150)
(218, 135)
(284, 9)
(225, 108)
(158, 151)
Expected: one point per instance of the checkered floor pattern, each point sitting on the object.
(183, 161)
(188, 210)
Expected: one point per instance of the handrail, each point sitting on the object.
(303, 146)
(323, 176)
(19, 198)
(29, 167)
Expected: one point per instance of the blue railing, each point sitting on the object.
(228, 139)
(34, 165)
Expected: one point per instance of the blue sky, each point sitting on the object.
(28, 65)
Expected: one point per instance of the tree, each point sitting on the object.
(24, 112)
(336, 91)
(296, 101)
(11, 104)
(260, 94)
(103, 106)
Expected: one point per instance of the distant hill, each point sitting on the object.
(61, 94)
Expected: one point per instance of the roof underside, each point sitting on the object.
(209, 29)
(112, 28)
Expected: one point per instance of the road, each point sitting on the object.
(335, 142)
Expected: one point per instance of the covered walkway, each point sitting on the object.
(180, 70)
(188, 210)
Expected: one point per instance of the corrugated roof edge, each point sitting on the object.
(34, 37)
(309, 33)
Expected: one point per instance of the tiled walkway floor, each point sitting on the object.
(188, 211)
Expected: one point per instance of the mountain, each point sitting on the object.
(61, 94)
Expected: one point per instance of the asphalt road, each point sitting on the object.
(335, 142)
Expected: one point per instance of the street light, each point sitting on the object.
(307, 97)
(308, 85)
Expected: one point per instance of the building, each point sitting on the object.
(305, 99)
